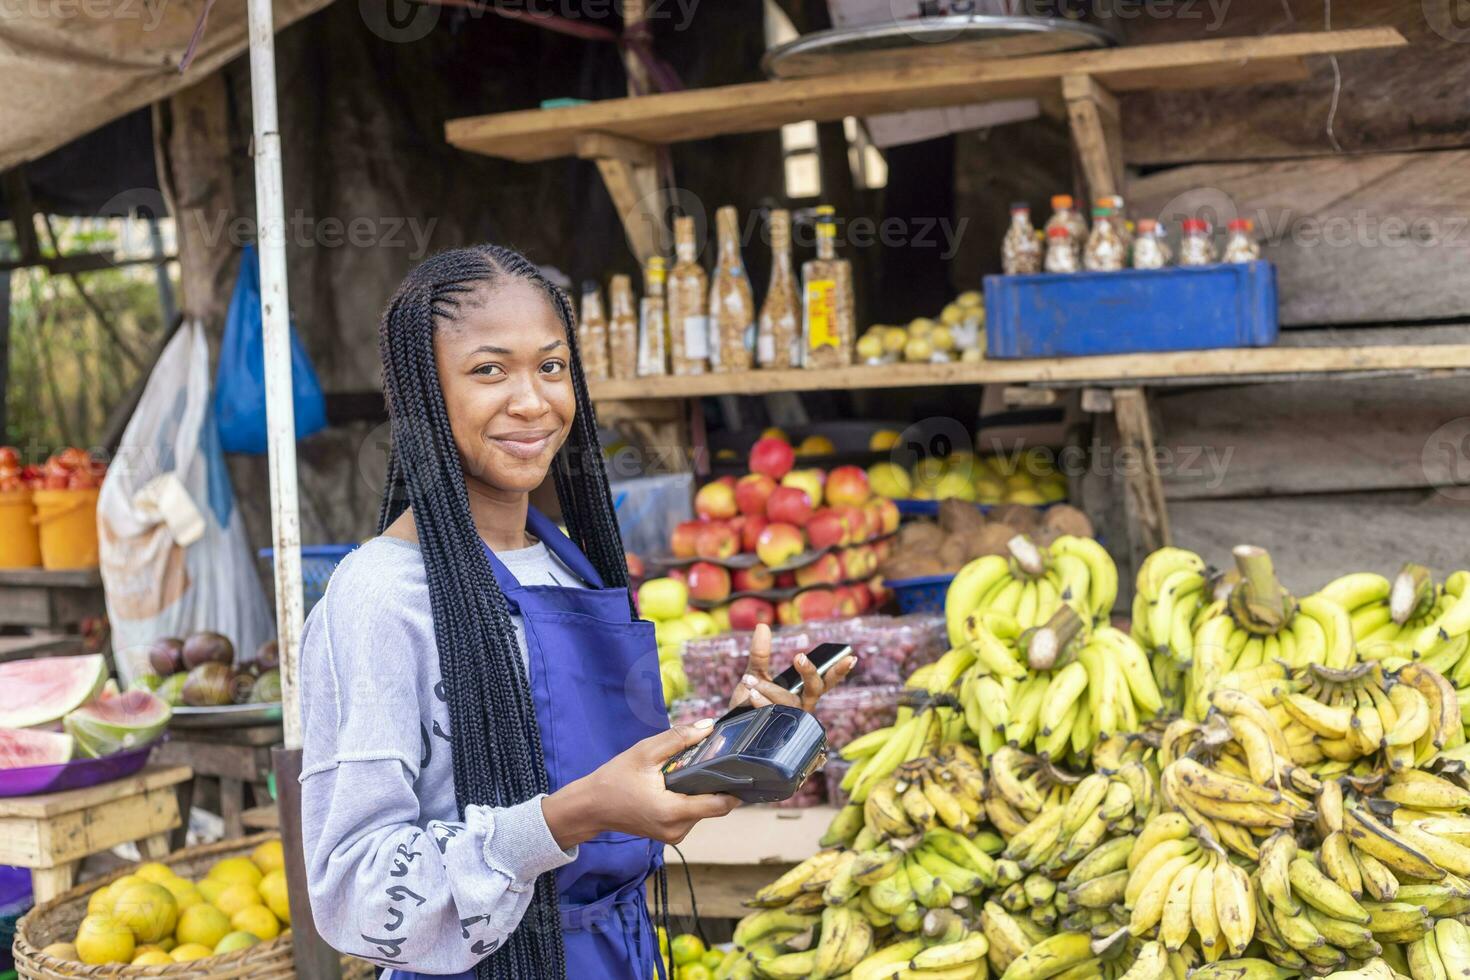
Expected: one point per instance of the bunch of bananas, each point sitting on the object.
(1181, 883)
(1058, 687)
(1031, 583)
(1260, 628)
(1388, 617)
(1170, 596)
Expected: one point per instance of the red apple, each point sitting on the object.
(708, 582)
(816, 604)
(747, 612)
(786, 580)
(789, 505)
(756, 578)
(826, 570)
(635, 565)
(862, 597)
(779, 543)
(679, 574)
(856, 523)
(786, 613)
(847, 602)
(880, 590)
(889, 512)
(727, 480)
(882, 550)
(716, 540)
(682, 540)
(751, 492)
(847, 486)
(772, 457)
(750, 531)
(826, 528)
(715, 501)
(808, 480)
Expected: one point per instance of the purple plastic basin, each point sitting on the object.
(77, 774)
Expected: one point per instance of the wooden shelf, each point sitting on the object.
(543, 134)
(1200, 367)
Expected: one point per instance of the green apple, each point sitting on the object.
(673, 632)
(701, 622)
(661, 599)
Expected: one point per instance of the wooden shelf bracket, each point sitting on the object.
(629, 168)
(1092, 112)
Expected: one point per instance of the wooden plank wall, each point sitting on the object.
(1332, 476)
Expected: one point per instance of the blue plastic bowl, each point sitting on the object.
(923, 594)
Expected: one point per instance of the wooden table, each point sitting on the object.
(56, 601)
(729, 858)
(40, 644)
(52, 833)
(233, 756)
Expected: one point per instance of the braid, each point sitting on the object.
(496, 742)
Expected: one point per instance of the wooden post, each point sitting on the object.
(1093, 113)
(1148, 516)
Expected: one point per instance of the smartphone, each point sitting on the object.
(823, 657)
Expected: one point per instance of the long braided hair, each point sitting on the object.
(496, 744)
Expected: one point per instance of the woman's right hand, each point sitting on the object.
(626, 794)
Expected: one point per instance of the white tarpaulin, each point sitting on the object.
(72, 65)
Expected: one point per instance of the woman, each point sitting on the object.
(484, 724)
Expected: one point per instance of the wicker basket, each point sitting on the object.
(57, 921)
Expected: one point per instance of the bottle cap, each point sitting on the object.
(1193, 224)
(1147, 225)
(1241, 224)
(1020, 206)
(1060, 201)
(590, 286)
(1102, 212)
(1057, 231)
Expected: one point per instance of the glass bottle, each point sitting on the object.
(1064, 214)
(778, 331)
(731, 300)
(1150, 251)
(1020, 252)
(592, 332)
(622, 329)
(653, 322)
(1105, 251)
(1196, 247)
(688, 304)
(828, 321)
(1241, 245)
(1060, 255)
(1119, 217)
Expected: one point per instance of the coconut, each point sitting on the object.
(166, 655)
(1066, 519)
(268, 655)
(208, 685)
(206, 648)
(267, 688)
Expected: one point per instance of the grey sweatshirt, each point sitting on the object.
(396, 877)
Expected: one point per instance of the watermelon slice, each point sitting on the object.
(36, 692)
(22, 748)
(117, 722)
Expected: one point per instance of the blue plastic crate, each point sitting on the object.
(923, 594)
(318, 561)
(1134, 310)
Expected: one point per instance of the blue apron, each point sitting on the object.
(595, 680)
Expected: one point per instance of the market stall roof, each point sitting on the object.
(73, 65)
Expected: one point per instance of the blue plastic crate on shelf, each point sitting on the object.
(1131, 311)
(318, 561)
(923, 593)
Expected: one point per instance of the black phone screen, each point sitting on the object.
(823, 657)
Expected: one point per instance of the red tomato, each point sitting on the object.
(81, 480)
(31, 476)
(9, 458)
(74, 459)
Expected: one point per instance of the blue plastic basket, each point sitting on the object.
(1083, 313)
(922, 594)
(318, 561)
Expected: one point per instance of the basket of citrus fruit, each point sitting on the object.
(217, 911)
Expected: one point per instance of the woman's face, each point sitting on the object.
(504, 366)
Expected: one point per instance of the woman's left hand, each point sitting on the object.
(757, 687)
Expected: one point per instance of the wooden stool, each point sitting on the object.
(52, 833)
(234, 756)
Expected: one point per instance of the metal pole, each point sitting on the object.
(314, 959)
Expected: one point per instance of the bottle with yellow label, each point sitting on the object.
(828, 318)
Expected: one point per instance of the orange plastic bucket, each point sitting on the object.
(20, 544)
(67, 520)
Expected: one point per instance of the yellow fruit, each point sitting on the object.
(154, 957)
(184, 891)
(687, 949)
(142, 948)
(816, 446)
(889, 480)
(236, 871)
(951, 315)
(920, 327)
(191, 951)
(239, 939)
(1020, 480)
(268, 857)
(918, 349)
(870, 347)
(883, 440)
(970, 298)
(102, 939)
(273, 890)
(989, 490)
(202, 925)
(1025, 497)
(956, 485)
(100, 902)
(147, 909)
(694, 971)
(167, 944)
(942, 339)
(972, 355)
(775, 433)
(154, 872)
(62, 951)
(894, 338)
(257, 920)
(209, 888)
(927, 471)
(236, 897)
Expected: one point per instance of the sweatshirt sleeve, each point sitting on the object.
(388, 884)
